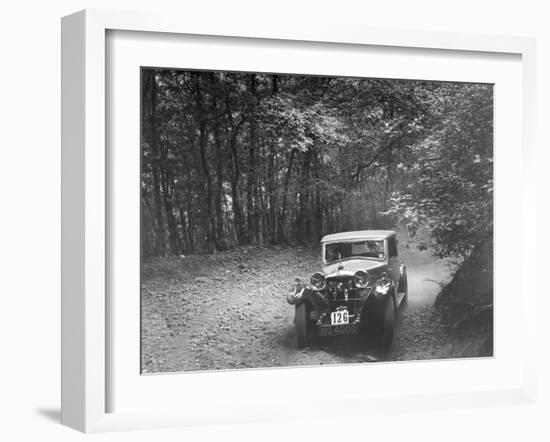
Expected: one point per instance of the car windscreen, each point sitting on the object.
(342, 250)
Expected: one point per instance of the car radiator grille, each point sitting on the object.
(340, 293)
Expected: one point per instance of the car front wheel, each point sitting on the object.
(403, 287)
(388, 323)
(301, 321)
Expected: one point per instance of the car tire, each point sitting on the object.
(301, 322)
(404, 288)
(388, 324)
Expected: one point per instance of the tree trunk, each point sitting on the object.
(203, 140)
(271, 218)
(270, 214)
(190, 220)
(251, 197)
(160, 244)
(282, 216)
(240, 228)
(303, 223)
(210, 232)
(219, 197)
(184, 228)
(167, 192)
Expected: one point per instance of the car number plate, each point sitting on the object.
(335, 330)
(339, 317)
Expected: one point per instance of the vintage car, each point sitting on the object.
(359, 290)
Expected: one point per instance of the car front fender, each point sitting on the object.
(296, 295)
(391, 291)
(304, 293)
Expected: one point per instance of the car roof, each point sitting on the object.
(358, 234)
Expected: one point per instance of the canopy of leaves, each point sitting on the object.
(241, 158)
(451, 171)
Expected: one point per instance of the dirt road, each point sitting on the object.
(228, 310)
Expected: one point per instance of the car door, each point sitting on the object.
(393, 264)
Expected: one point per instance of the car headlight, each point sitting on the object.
(361, 279)
(318, 281)
(382, 287)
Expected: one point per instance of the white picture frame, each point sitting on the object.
(86, 315)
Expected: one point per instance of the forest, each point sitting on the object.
(231, 159)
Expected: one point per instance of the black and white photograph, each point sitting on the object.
(246, 221)
(299, 220)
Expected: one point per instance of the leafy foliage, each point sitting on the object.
(451, 171)
(240, 158)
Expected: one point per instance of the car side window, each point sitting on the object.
(392, 247)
